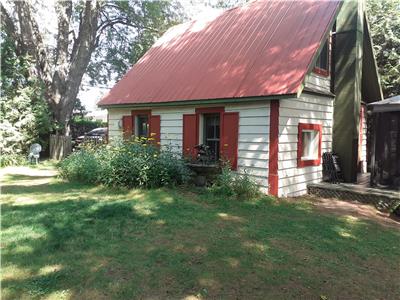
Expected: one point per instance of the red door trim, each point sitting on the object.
(273, 177)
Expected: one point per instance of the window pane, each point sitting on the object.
(142, 125)
(310, 144)
(211, 134)
(322, 60)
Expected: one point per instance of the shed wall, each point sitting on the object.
(363, 157)
(253, 141)
(318, 82)
(311, 109)
(253, 149)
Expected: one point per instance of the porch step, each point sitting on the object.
(383, 199)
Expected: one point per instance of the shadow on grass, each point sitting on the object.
(164, 244)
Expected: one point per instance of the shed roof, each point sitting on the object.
(387, 105)
(264, 48)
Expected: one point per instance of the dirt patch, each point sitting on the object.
(354, 209)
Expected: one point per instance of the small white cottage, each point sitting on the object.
(262, 85)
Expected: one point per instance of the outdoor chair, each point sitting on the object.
(34, 153)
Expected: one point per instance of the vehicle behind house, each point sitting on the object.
(97, 135)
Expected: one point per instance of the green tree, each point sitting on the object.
(384, 19)
(24, 113)
(94, 37)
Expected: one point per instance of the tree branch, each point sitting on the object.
(32, 41)
(64, 12)
(8, 24)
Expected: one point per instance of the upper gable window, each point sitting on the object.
(322, 63)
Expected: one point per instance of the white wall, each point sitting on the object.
(308, 108)
(115, 116)
(172, 126)
(253, 146)
(253, 143)
(317, 82)
(363, 157)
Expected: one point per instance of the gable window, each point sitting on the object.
(211, 134)
(322, 63)
(309, 145)
(142, 125)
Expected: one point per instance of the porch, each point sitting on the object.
(361, 191)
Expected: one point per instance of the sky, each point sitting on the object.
(194, 9)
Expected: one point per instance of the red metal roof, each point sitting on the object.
(261, 49)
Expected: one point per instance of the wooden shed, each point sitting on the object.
(258, 84)
(385, 148)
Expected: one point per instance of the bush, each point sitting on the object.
(15, 159)
(232, 184)
(82, 166)
(126, 164)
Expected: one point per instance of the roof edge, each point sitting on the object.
(201, 102)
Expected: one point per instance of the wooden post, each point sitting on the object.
(60, 146)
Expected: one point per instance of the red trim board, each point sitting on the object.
(273, 176)
(312, 162)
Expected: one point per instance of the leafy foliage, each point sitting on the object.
(24, 112)
(130, 29)
(231, 184)
(125, 164)
(384, 18)
(80, 166)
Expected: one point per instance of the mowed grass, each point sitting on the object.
(65, 240)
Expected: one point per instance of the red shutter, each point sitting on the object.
(230, 135)
(127, 126)
(155, 128)
(189, 135)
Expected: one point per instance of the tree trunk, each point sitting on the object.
(62, 85)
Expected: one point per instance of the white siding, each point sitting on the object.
(307, 109)
(253, 153)
(114, 117)
(363, 157)
(172, 126)
(318, 82)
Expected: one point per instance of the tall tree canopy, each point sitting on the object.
(97, 38)
(384, 18)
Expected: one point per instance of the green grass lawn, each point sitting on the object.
(69, 241)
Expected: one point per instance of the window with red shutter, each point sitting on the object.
(155, 129)
(190, 135)
(230, 135)
(127, 127)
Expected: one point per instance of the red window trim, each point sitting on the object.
(209, 110)
(135, 113)
(323, 72)
(312, 162)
